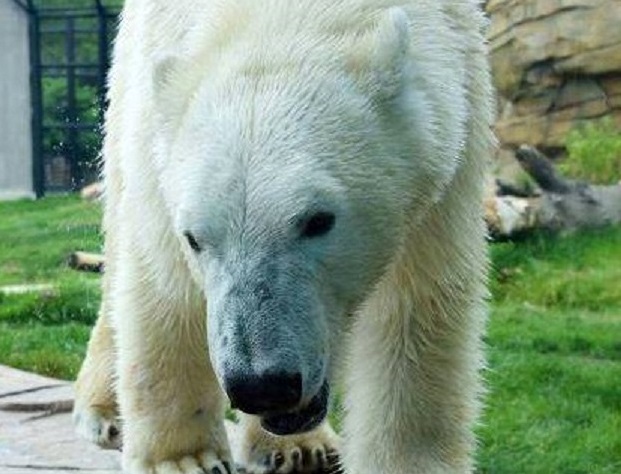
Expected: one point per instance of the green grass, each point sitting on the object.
(554, 348)
(37, 236)
(47, 332)
(594, 152)
(554, 339)
(555, 402)
(582, 271)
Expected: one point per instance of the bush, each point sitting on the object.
(594, 153)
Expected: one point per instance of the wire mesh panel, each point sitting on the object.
(70, 44)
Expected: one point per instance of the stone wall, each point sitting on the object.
(556, 64)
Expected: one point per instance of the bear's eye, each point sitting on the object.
(318, 224)
(192, 241)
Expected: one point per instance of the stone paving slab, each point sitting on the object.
(36, 442)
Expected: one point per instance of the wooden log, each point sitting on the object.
(541, 169)
(85, 261)
(563, 205)
(92, 192)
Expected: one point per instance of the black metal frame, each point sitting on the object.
(94, 18)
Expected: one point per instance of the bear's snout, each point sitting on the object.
(267, 392)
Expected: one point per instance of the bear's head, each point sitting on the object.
(292, 177)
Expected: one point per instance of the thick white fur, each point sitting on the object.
(410, 77)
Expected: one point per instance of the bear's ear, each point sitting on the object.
(172, 81)
(380, 59)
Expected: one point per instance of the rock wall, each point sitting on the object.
(556, 63)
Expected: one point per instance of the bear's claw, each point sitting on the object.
(317, 460)
(312, 452)
(205, 462)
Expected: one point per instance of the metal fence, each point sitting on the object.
(69, 54)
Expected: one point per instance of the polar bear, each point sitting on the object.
(293, 203)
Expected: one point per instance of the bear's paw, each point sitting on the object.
(99, 425)
(205, 462)
(313, 452)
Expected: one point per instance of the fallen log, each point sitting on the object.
(562, 205)
(92, 192)
(85, 261)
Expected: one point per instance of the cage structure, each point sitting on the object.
(70, 42)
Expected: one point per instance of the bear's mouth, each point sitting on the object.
(299, 420)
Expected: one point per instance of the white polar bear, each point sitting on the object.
(293, 197)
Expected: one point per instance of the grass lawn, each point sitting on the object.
(555, 357)
(47, 332)
(554, 335)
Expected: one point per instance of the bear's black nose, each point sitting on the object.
(264, 393)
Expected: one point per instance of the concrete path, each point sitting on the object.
(36, 433)
(34, 440)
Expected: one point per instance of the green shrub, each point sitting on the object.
(56, 113)
(594, 153)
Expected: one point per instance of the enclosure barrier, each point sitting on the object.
(69, 59)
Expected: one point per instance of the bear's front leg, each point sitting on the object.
(412, 401)
(414, 382)
(95, 412)
(170, 402)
